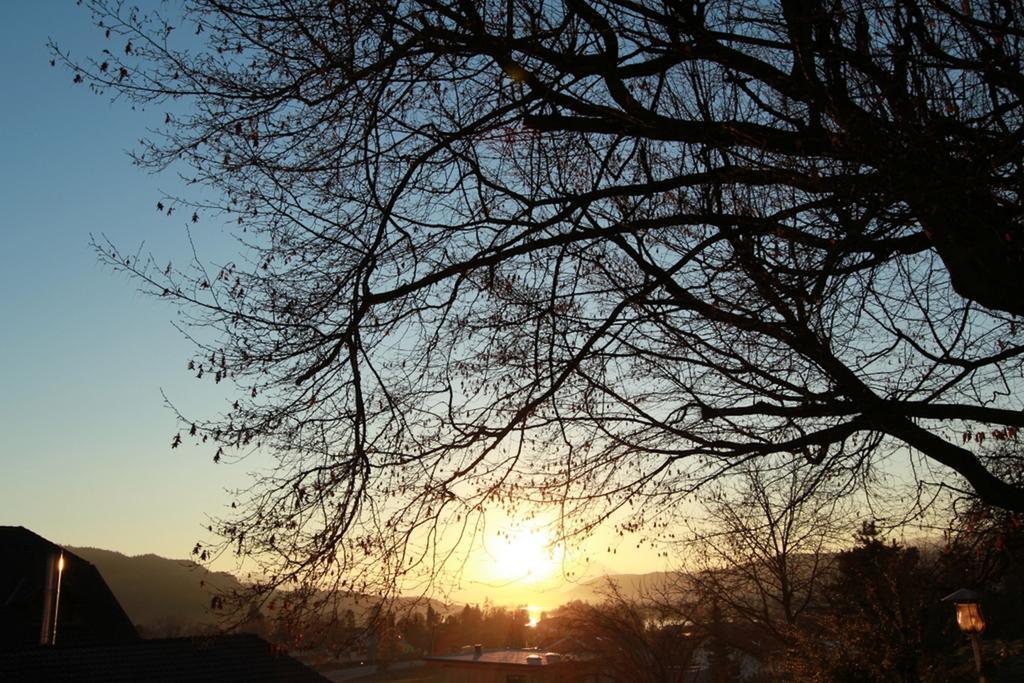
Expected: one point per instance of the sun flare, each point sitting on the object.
(524, 555)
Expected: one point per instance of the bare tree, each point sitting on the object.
(627, 640)
(591, 253)
(765, 548)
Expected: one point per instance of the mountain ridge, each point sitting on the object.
(167, 597)
(162, 596)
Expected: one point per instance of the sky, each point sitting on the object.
(85, 455)
(85, 450)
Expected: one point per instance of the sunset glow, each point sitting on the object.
(585, 341)
(525, 554)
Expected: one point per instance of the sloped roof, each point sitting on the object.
(89, 613)
(239, 657)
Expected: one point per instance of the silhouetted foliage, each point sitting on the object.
(882, 622)
(625, 637)
(765, 548)
(590, 252)
(491, 627)
(985, 551)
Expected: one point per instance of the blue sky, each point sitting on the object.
(85, 455)
(85, 448)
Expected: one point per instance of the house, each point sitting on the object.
(86, 611)
(511, 666)
(59, 621)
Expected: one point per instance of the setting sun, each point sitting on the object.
(524, 555)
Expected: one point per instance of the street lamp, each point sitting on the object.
(970, 621)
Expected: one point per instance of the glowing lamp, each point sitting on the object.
(971, 622)
(969, 618)
(968, 610)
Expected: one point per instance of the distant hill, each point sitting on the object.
(162, 597)
(631, 586)
(651, 584)
(167, 598)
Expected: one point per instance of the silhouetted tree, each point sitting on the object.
(764, 551)
(883, 621)
(491, 627)
(628, 640)
(985, 551)
(588, 252)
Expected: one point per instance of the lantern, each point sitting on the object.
(970, 621)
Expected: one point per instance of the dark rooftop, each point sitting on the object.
(240, 657)
(89, 613)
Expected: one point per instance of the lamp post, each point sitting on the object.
(970, 621)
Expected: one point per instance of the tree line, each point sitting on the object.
(876, 615)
